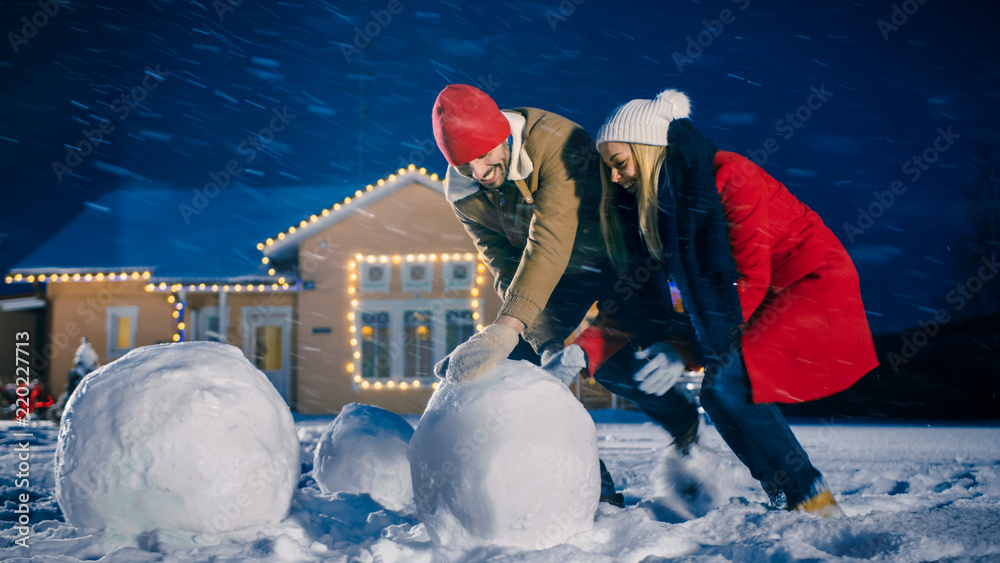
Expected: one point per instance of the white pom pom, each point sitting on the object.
(680, 103)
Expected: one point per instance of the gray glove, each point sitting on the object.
(664, 368)
(477, 355)
(564, 364)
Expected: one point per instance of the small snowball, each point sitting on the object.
(364, 451)
(188, 438)
(507, 459)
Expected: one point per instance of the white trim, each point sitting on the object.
(22, 304)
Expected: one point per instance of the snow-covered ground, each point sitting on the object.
(910, 493)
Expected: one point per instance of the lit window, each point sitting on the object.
(459, 326)
(419, 344)
(120, 325)
(375, 334)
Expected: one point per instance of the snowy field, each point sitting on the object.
(910, 493)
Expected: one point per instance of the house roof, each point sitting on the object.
(178, 235)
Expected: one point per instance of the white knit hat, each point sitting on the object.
(645, 121)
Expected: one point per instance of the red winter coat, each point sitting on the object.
(806, 334)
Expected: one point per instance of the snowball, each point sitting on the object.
(180, 438)
(364, 451)
(507, 459)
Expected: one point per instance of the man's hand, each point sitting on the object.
(566, 363)
(479, 354)
(664, 368)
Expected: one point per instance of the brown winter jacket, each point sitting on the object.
(543, 222)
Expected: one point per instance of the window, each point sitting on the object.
(459, 275)
(418, 344)
(417, 276)
(208, 324)
(401, 339)
(375, 278)
(375, 334)
(459, 326)
(120, 327)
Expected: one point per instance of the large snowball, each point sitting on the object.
(507, 459)
(364, 451)
(184, 438)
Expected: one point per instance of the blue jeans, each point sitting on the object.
(757, 433)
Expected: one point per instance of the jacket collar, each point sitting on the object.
(458, 187)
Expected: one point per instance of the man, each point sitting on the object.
(526, 185)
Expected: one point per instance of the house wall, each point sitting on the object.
(414, 220)
(79, 309)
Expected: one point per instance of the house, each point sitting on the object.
(338, 295)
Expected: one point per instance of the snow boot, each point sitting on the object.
(822, 504)
(608, 493)
(684, 441)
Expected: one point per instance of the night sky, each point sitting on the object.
(835, 100)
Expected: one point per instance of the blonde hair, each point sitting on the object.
(648, 161)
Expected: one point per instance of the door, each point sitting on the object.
(267, 335)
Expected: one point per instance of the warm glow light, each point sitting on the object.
(475, 292)
(150, 287)
(378, 384)
(475, 302)
(347, 200)
(87, 277)
(456, 256)
(269, 241)
(433, 257)
(383, 259)
(274, 287)
(303, 224)
(180, 326)
(177, 338)
(76, 277)
(370, 259)
(99, 277)
(291, 230)
(403, 385)
(434, 385)
(421, 257)
(191, 288)
(402, 171)
(354, 342)
(284, 286)
(357, 378)
(352, 329)
(481, 268)
(357, 355)
(8, 279)
(350, 290)
(249, 287)
(260, 287)
(201, 286)
(409, 258)
(326, 213)
(479, 327)
(350, 367)
(381, 182)
(171, 299)
(31, 279)
(422, 170)
(416, 384)
(369, 188)
(225, 288)
(434, 176)
(358, 193)
(281, 236)
(238, 287)
(364, 385)
(479, 280)
(445, 257)
(260, 246)
(468, 256)
(111, 276)
(265, 260)
(350, 316)
(390, 384)
(336, 206)
(354, 302)
(176, 314)
(281, 280)
(64, 277)
(215, 287)
(163, 286)
(397, 259)
(475, 315)
(271, 272)
(313, 218)
(145, 275)
(366, 331)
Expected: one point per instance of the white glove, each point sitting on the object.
(477, 355)
(664, 368)
(565, 364)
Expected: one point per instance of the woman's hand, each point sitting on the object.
(662, 370)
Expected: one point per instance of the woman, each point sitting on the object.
(768, 300)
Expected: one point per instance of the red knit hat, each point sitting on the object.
(467, 124)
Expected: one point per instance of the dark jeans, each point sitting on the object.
(757, 433)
